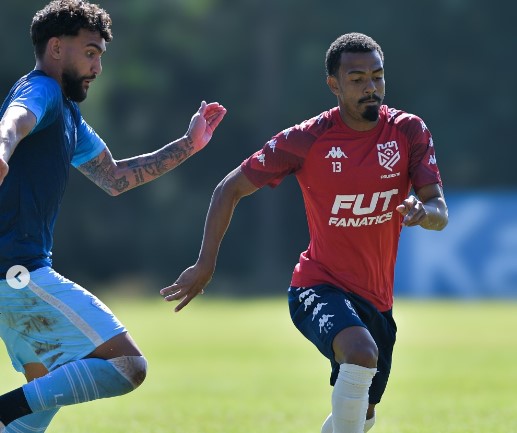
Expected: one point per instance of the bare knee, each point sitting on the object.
(355, 345)
(133, 368)
(365, 356)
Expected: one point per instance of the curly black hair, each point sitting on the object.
(66, 18)
(349, 43)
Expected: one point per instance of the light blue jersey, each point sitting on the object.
(31, 193)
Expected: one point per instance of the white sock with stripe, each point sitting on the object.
(350, 398)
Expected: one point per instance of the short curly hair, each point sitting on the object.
(349, 43)
(66, 18)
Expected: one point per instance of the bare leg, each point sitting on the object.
(120, 345)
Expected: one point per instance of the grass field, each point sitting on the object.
(223, 366)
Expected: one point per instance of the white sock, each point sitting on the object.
(369, 424)
(350, 398)
(327, 425)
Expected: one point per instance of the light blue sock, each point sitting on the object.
(77, 382)
(33, 423)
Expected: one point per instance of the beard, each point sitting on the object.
(73, 86)
(371, 112)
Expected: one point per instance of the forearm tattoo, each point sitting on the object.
(102, 169)
(148, 167)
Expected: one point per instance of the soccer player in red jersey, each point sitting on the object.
(356, 165)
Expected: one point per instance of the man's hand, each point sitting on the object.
(204, 123)
(429, 210)
(189, 284)
(413, 211)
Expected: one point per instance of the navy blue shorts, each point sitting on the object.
(321, 312)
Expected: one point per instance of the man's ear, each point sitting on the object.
(54, 48)
(333, 85)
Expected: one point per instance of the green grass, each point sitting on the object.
(223, 366)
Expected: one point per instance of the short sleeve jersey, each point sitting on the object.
(351, 182)
(31, 193)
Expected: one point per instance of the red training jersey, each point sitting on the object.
(351, 182)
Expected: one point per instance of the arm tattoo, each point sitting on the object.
(162, 161)
(99, 170)
(111, 175)
(139, 177)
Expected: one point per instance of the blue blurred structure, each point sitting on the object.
(474, 257)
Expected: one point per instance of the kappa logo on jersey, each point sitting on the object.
(379, 203)
(432, 159)
(261, 158)
(336, 153)
(272, 144)
(389, 154)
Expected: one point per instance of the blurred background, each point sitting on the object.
(451, 62)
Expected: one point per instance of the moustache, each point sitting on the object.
(371, 98)
(91, 78)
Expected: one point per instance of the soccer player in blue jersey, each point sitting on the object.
(68, 344)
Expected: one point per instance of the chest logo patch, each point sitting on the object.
(389, 154)
(336, 153)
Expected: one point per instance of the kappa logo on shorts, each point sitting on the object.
(325, 324)
(317, 309)
(309, 296)
(304, 294)
(351, 308)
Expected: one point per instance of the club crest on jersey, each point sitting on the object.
(389, 154)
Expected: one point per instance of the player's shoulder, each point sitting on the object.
(312, 127)
(39, 82)
(403, 120)
(399, 117)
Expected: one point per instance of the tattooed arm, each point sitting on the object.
(116, 177)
